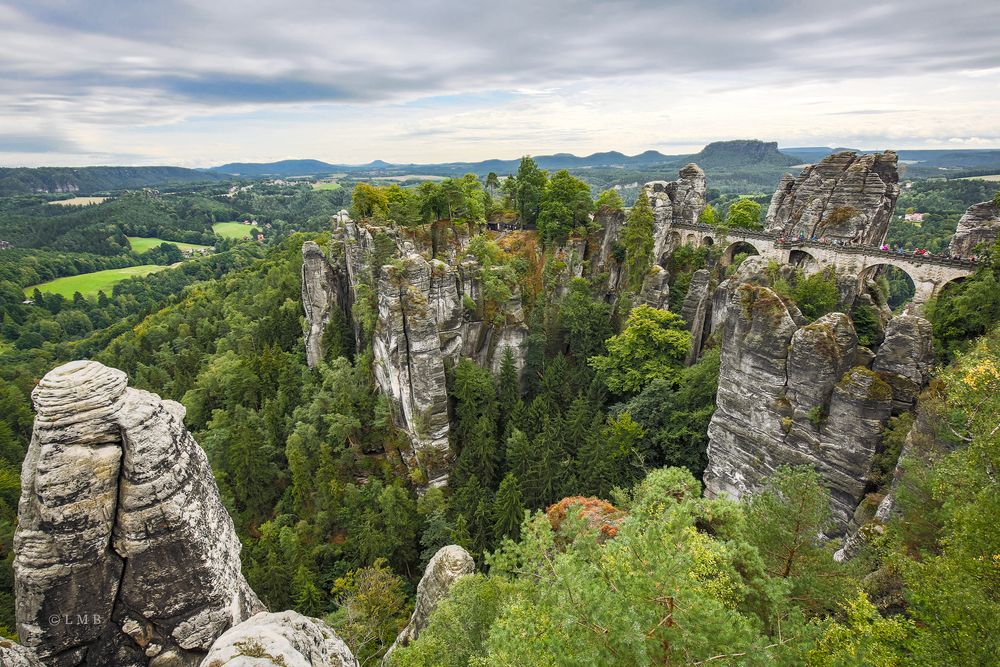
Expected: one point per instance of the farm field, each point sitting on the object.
(89, 284)
(326, 186)
(79, 201)
(989, 177)
(232, 230)
(141, 244)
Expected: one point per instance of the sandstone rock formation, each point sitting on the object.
(445, 568)
(409, 364)
(845, 196)
(427, 315)
(655, 290)
(904, 359)
(979, 224)
(675, 201)
(15, 655)
(696, 310)
(286, 638)
(124, 553)
(791, 395)
(322, 296)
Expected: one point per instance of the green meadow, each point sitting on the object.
(89, 284)
(232, 230)
(141, 244)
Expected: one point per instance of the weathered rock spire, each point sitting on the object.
(124, 553)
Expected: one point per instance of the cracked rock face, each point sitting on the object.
(447, 566)
(655, 290)
(15, 655)
(322, 294)
(675, 201)
(124, 552)
(287, 638)
(845, 196)
(409, 364)
(904, 359)
(979, 224)
(791, 395)
(423, 326)
(697, 310)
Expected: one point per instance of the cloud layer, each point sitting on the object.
(196, 83)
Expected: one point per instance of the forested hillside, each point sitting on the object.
(88, 180)
(573, 459)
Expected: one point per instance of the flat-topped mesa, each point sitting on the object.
(980, 224)
(124, 554)
(680, 201)
(845, 196)
(798, 393)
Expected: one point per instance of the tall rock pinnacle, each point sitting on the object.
(124, 553)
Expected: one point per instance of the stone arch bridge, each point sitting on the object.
(929, 274)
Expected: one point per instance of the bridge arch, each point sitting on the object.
(707, 240)
(737, 247)
(690, 239)
(902, 286)
(803, 259)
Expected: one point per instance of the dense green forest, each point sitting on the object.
(88, 180)
(308, 464)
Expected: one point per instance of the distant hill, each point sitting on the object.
(87, 180)
(741, 153)
(284, 168)
(287, 168)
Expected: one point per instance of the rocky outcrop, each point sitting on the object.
(124, 553)
(15, 655)
(980, 224)
(409, 363)
(427, 315)
(675, 201)
(655, 290)
(287, 638)
(792, 395)
(448, 565)
(904, 359)
(322, 297)
(846, 196)
(696, 310)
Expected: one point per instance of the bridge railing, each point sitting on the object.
(733, 231)
(877, 251)
(847, 249)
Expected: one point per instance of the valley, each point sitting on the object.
(477, 408)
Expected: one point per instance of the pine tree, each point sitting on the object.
(480, 455)
(508, 509)
(594, 467)
(508, 389)
(308, 598)
(577, 425)
(481, 526)
(520, 455)
(460, 532)
(637, 237)
(438, 533)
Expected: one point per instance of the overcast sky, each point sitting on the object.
(203, 82)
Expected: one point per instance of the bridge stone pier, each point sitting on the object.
(929, 274)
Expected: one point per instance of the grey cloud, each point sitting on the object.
(229, 52)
